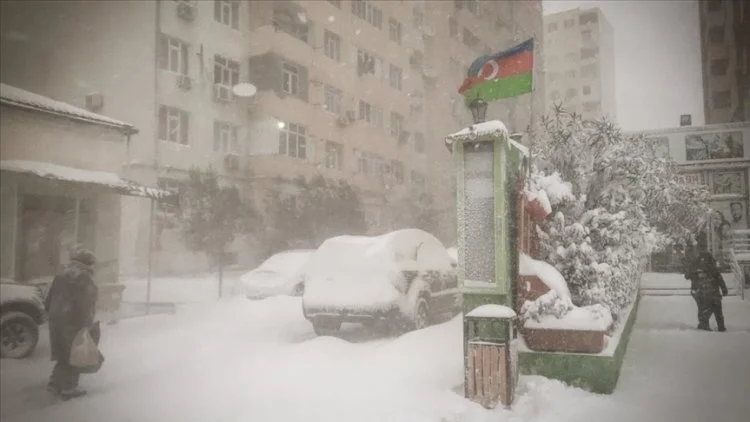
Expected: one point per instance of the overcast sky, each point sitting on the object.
(657, 59)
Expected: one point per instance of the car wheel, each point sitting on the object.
(324, 326)
(19, 335)
(299, 289)
(421, 314)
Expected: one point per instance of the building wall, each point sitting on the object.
(725, 50)
(27, 135)
(95, 48)
(585, 85)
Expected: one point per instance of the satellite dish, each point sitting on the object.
(244, 89)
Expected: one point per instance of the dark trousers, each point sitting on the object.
(708, 306)
(64, 376)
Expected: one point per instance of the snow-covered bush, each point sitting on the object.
(618, 203)
(548, 304)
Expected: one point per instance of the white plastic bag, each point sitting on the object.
(84, 354)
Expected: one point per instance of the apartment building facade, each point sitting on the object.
(579, 62)
(725, 53)
(356, 90)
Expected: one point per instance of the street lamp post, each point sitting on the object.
(478, 109)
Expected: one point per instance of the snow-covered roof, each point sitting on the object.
(72, 174)
(493, 127)
(17, 97)
(492, 311)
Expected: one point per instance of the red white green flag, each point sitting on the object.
(500, 75)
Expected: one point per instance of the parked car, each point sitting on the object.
(21, 313)
(278, 275)
(403, 278)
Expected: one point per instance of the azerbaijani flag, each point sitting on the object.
(501, 75)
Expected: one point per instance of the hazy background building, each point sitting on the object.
(725, 50)
(356, 90)
(579, 62)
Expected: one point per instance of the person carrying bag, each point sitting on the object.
(71, 306)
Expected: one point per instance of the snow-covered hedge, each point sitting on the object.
(614, 202)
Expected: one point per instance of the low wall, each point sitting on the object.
(596, 373)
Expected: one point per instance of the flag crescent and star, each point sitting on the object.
(500, 75)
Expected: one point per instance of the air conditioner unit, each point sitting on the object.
(184, 82)
(231, 162)
(186, 10)
(94, 101)
(222, 93)
(342, 121)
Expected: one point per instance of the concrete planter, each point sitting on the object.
(567, 341)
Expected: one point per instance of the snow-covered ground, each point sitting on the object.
(237, 360)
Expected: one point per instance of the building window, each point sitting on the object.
(591, 106)
(418, 18)
(419, 142)
(173, 55)
(334, 155)
(173, 125)
(571, 57)
(288, 22)
(370, 113)
(571, 74)
(293, 140)
(589, 71)
(336, 3)
(332, 45)
(227, 12)
(397, 171)
(722, 99)
(472, 6)
(586, 35)
(470, 40)
(226, 139)
(369, 163)
(364, 9)
(453, 27)
(397, 125)
(552, 27)
(719, 67)
(226, 71)
(588, 53)
(333, 99)
(570, 93)
(590, 17)
(395, 30)
(716, 35)
(395, 75)
(290, 79)
(569, 23)
(368, 63)
(586, 90)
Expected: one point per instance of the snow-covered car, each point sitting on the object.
(403, 277)
(278, 275)
(21, 313)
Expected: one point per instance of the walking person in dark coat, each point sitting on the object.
(707, 287)
(71, 305)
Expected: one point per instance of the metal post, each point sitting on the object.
(76, 222)
(149, 258)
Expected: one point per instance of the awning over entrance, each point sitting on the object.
(103, 179)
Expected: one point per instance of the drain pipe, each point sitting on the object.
(150, 260)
